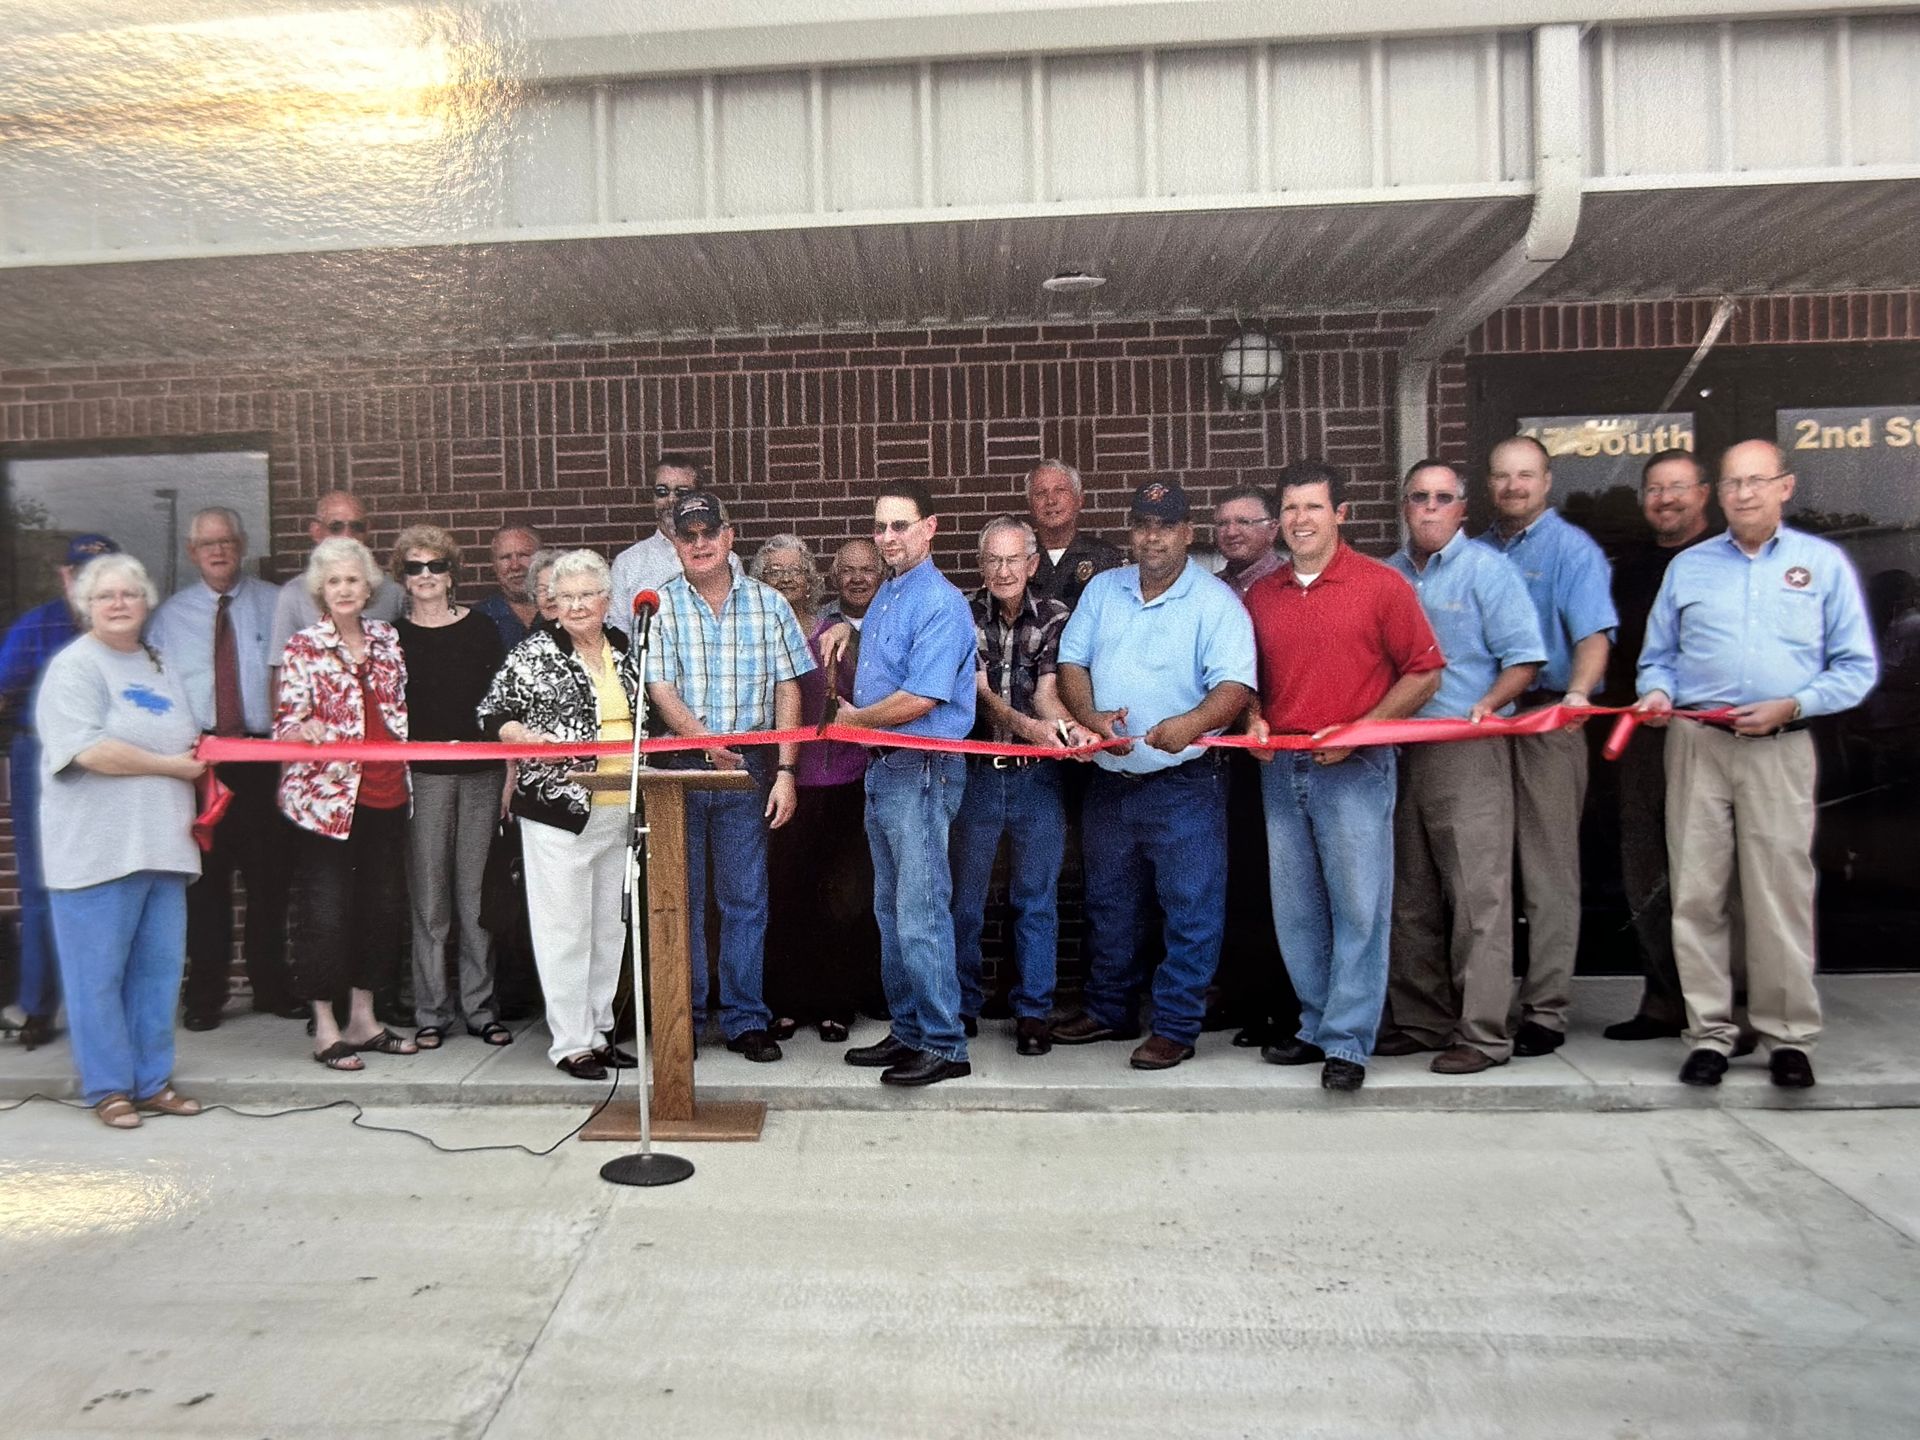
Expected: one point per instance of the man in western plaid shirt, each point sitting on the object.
(727, 658)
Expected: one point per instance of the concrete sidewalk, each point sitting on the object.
(1869, 1058)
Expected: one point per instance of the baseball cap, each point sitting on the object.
(82, 548)
(1161, 501)
(702, 507)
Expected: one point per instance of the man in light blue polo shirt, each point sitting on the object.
(1568, 581)
(1769, 622)
(1451, 980)
(1163, 652)
(915, 677)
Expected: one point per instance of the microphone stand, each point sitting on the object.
(647, 1167)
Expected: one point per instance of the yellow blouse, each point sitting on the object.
(616, 722)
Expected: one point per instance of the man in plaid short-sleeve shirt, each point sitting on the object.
(727, 658)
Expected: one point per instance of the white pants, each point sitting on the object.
(573, 902)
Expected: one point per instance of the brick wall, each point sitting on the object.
(799, 426)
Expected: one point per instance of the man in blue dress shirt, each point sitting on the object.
(1567, 579)
(1162, 652)
(915, 677)
(217, 635)
(1771, 623)
(1451, 981)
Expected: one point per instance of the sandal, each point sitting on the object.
(117, 1112)
(340, 1056)
(428, 1037)
(493, 1033)
(833, 1032)
(167, 1101)
(386, 1043)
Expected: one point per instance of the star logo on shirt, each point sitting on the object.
(1799, 577)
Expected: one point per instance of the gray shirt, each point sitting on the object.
(296, 610)
(95, 828)
(647, 565)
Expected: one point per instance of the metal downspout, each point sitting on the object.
(1559, 169)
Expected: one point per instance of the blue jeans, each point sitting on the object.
(123, 948)
(39, 992)
(912, 798)
(1166, 832)
(1023, 804)
(1330, 855)
(730, 828)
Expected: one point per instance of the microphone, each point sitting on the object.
(645, 606)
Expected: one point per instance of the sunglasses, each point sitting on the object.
(661, 492)
(896, 527)
(426, 567)
(341, 527)
(1431, 497)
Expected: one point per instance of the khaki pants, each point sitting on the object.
(1549, 791)
(1746, 804)
(1451, 977)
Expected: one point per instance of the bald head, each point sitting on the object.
(338, 513)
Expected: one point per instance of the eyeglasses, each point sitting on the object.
(116, 597)
(894, 527)
(1740, 484)
(426, 567)
(1432, 497)
(341, 527)
(1003, 562)
(578, 599)
(1669, 492)
(1243, 524)
(661, 492)
(785, 572)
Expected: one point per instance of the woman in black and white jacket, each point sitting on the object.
(568, 685)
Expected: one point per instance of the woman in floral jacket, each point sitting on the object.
(344, 679)
(571, 684)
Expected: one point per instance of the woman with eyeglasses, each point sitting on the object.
(823, 948)
(116, 816)
(452, 651)
(558, 687)
(344, 678)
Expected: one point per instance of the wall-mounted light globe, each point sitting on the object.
(1250, 365)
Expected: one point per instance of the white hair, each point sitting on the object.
(339, 550)
(581, 562)
(1073, 475)
(88, 580)
(1004, 523)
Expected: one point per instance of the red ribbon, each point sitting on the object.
(218, 750)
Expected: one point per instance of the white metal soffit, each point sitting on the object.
(243, 171)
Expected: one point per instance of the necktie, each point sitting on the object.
(229, 710)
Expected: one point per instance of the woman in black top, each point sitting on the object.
(451, 651)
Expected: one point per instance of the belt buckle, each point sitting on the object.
(1004, 762)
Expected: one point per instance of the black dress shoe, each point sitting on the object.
(1293, 1052)
(1641, 1027)
(1258, 1035)
(922, 1067)
(1532, 1039)
(201, 1020)
(971, 1025)
(1033, 1037)
(1342, 1075)
(756, 1045)
(1398, 1042)
(37, 1031)
(582, 1067)
(1703, 1067)
(1790, 1069)
(614, 1058)
(878, 1056)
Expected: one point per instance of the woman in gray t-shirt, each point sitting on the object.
(116, 824)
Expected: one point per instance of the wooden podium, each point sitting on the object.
(676, 1114)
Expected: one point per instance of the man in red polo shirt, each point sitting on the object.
(1340, 638)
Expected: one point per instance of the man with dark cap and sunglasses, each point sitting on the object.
(650, 563)
(1157, 654)
(34, 639)
(336, 514)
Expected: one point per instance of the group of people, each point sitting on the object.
(1384, 876)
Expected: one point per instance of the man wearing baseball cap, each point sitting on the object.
(34, 639)
(1157, 654)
